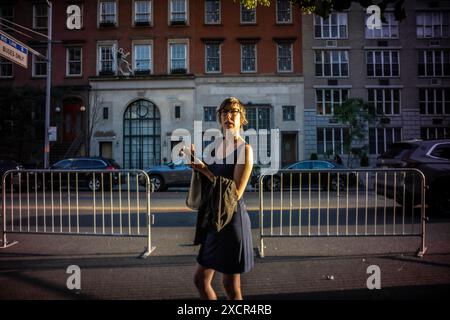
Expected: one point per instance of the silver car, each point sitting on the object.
(172, 174)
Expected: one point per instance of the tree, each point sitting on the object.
(355, 114)
(324, 7)
(93, 119)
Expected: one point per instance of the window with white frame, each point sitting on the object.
(284, 57)
(6, 68)
(107, 59)
(6, 12)
(381, 138)
(288, 113)
(328, 99)
(142, 58)
(40, 20)
(209, 114)
(433, 24)
(178, 57)
(331, 140)
(434, 101)
(248, 57)
(384, 63)
(430, 133)
(40, 64)
(248, 15)
(388, 30)
(284, 11)
(212, 11)
(178, 11)
(434, 63)
(74, 56)
(212, 54)
(386, 101)
(108, 12)
(142, 12)
(333, 27)
(332, 63)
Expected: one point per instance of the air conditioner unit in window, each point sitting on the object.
(435, 43)
(435, 82)
(331, 43)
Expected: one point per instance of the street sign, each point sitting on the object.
(13, 51)
(52, 131)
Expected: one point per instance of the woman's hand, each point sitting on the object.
(200, 166)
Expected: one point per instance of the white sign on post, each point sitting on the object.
(13, 51)
(52, 133)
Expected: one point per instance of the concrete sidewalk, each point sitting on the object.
(298, 268)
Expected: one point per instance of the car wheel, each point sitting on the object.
(334, 183)
(94, 185)
(276, 183)
(157, 183)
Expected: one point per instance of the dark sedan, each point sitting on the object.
(306, 179)
(172, 174)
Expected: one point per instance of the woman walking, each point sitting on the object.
(230, 250)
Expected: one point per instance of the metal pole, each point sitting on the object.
(49, 83)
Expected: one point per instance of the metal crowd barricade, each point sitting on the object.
(342, 203)
(77, 202)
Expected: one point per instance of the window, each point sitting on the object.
(258, 117)
(389, 29)
(6, 12)
(178, 11)
(432, 24)
(105, 113)
(209, 114)
(288, 113)
(284, 57)
(40, 64)
(6, 68)
(333, 27)
(327, 99)
(441, 151)
(74, 61)
(212, 54)
(284, 11)
(333, 63)
(434, 63)
(380, 138)
(108, 13)
(331, 140)
(430, 133)
(434, 101)
(142, 13)
(212, 11)
(107, 59)
(248, 57)
(383, 64)
(385, 101)
(178, 58)
(248, 15)
(40, 16)
(142, 58)
(177, 112)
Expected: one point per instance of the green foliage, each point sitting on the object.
(355, 114)
(324, 7)
(314, 156)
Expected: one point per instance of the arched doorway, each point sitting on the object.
(141, 135)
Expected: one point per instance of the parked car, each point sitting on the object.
(307, 165)
(169, 175)
(84, 179)
(432, 157)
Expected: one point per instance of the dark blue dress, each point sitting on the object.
(229, 251)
